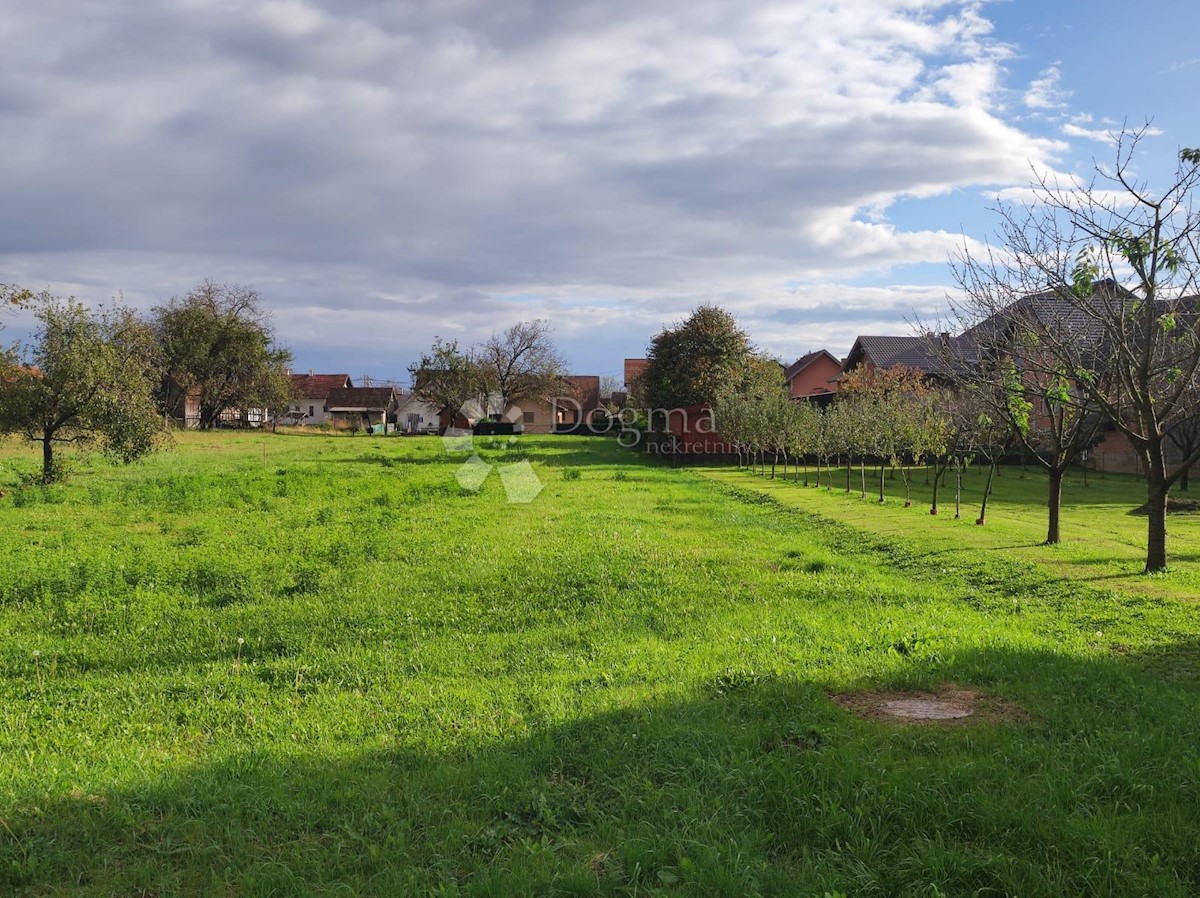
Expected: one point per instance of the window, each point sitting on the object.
(530, 417)
(310, 411)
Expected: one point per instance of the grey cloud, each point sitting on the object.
(387, 171)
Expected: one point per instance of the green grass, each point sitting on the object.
(274, 665)
(1103, 542)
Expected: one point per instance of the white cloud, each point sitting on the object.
(384, 172)
(1045, 92)
(1103, 135)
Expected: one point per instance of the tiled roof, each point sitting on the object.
(349, 398)
(317, 386)
(586, 390)
(887, 352)
(807, 359)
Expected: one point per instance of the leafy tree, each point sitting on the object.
(802, 438)
(1108, 267)
(690, 364)
(445, 377)
(520, 364)
(87, 379)
(888, 403)
(939, 436)
(218, 345)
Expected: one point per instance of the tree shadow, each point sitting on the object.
(750, 784)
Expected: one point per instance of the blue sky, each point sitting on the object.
(385, 173)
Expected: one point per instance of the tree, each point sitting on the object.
(1109, 267)
(445, 377)
(982, 433)
(87, 379)
(519, 364)
(939, 436)
(889, 403)
(1002, 371)
(1184, 435)
(689, 364)
(218, 345)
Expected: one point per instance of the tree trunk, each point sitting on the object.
(848, 473)
(937, 480)
(774, 463)
(1156, 518)
(882, 470)
(987, 491)
(47, 458)
(1185, 478)
(1054, 501)
(907, 492)
(958, 466)
(862, 477)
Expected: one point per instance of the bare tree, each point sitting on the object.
(1107, 268)
(1001, 370)
(521, 363)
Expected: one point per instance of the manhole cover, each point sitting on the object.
(926, 709)
(944, 704)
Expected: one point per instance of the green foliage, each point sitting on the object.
(217, 345)
(87, 379)
(446, 377)
(692, 363)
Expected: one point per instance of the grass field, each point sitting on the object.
(1104, 542)
(275, 665)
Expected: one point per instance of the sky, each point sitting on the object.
(387, 172)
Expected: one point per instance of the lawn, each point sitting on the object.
(280, 664)
(1103, 540)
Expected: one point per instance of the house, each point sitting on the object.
(309, 394)
(414, 415)
(916, 353)
(634, 369)
(813, 376)
(361, 407)
(572, 411)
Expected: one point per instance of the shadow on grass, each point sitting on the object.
(750, 785)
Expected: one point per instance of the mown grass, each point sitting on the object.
(271, 665)
(1103, 540)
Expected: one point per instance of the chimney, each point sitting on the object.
(311, 372)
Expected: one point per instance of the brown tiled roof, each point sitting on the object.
(354, 398)
(317, 386)
(586, 390)
(807, 359)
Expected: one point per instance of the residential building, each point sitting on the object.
(813, 376)
(569, 412)
(356, 407)
(414, 415)
(310, 392)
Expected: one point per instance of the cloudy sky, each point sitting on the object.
(384, 171)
